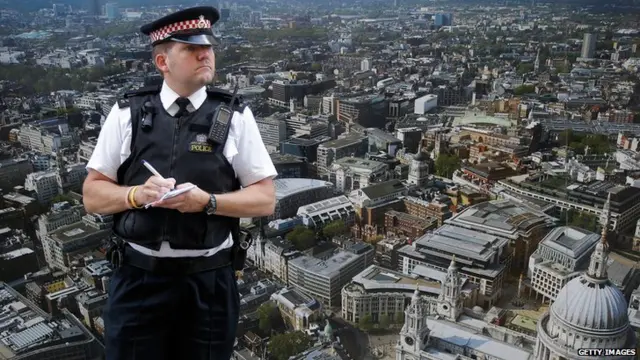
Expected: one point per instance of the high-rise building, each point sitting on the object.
(588, 46)
(443, 20)
(111, 11)
(95, 9)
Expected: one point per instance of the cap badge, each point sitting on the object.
(201, 23)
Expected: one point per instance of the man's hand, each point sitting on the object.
(194, 200)
(153, 189)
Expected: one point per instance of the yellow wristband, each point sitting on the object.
(127, 200)
(132, 198)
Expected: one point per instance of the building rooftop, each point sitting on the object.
(27, 328)
(383, 189)
(466, 243)
(288, 187)
(416, 221)
(375, 278)
(19, 198)
(360, 164)
(325, 268)
(502, 215)
(350, 139)
(279, 159)
(383, 135)
(465, 337)
(98, 268)
(571, 241)
(327, 205)
(16, 253)
(292, 299)
(73, 232)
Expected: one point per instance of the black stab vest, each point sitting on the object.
(177, 148)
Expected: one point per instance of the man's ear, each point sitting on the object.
(161, 61)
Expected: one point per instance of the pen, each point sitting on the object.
(153, 171)
(150, 168)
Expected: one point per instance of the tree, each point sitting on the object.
(446, 164)
(366, 323)
(269, 316)
(302, 238)
(334, 228)
(384, 321)
(283, 346)
(62, 197)
(524, 89)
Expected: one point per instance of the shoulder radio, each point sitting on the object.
(221, 121)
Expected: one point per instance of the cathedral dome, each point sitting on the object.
(591, 304)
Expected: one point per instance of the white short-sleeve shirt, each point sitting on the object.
(244, 150)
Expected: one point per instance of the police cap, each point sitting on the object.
(191, 26)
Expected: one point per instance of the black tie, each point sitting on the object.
(182, 104)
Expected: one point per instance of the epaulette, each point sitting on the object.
(145, 90)
(123, 102)
(226, 96)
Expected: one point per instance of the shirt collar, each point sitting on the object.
(168, 97)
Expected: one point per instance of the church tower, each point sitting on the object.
(599, 257)
(419, 169)
(450, 299)
(415, 333)
(258, 248)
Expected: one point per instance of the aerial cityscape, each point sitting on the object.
(456, 179)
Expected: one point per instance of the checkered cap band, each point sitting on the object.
(168, 30)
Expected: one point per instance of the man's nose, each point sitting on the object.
(204, 51)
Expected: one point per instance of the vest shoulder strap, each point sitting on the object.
(124, 101)
(226, 97)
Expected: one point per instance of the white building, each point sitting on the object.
(44, 184)
(293, 193)
(424, 104)
(353, 173)
(419, 169)
(324, 278)
(320, 213)
(297, 308)
(561, 256)
(378, 292)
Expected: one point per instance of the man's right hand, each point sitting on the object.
(153, 189)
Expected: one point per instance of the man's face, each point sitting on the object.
(189, 64)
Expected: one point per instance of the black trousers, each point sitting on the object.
(151, 316)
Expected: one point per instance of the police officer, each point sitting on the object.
(173, 294)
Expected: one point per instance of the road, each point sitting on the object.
(354, 341)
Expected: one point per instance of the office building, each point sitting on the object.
(424, 104)
(588, 46)
(63, 243)
(272, 130)
(321, 213)
(36, 335)
(294, 193)
(349, 145)
(524, 227)
(483, 258)
(323, 279)
(365, 110)
(562, 256)
(297, 309)
(378, 292)
(351, 173)
(14, 171)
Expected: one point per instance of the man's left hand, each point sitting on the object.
(194, 200)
